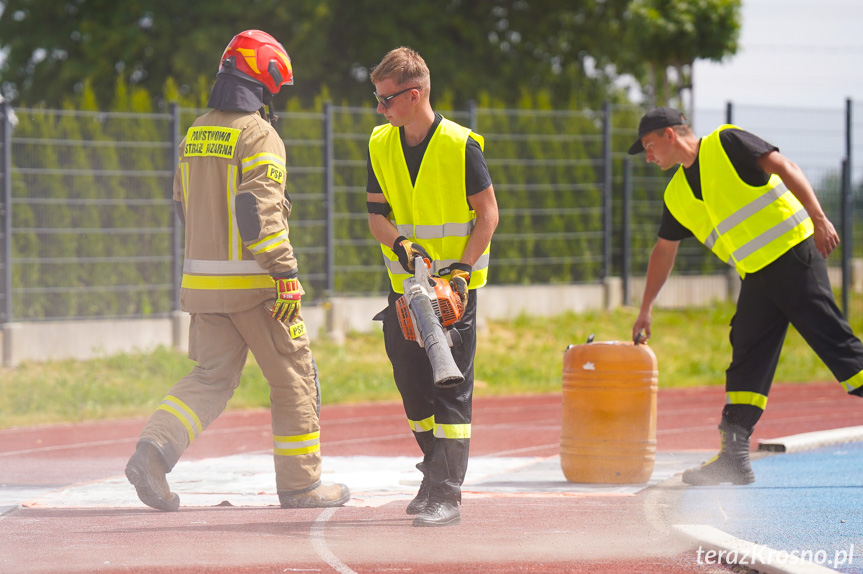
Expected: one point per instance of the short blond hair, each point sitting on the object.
(403, 65)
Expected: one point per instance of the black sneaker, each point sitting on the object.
(146, 471)
(438, 513)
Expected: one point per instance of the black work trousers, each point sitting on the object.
(795, 288)
(440, 417)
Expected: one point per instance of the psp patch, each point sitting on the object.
(298, 330)
(276, 174)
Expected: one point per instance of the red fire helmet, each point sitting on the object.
(257, 56)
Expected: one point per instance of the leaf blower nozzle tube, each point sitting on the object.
(446, 373)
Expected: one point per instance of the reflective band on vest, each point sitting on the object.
(746, 227)
(434, 212)
(395, 268)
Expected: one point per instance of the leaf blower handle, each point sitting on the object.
(408, 251)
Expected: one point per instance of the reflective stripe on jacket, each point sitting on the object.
(434, 212)
(233, 246)
(746, 227)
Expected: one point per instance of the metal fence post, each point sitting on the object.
(626, 236)
(845, 229)
(849, 128)
(606, 190)
(847, 199)
(177, 241)
(729, 113)
(6, 231)
(471, 111)
(329, 200)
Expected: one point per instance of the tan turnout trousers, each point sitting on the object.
(220, 343)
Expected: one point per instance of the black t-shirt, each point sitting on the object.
(743, 150)
(476, 176)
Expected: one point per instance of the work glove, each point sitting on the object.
(459, 279)
(287, 305)
(407, 251)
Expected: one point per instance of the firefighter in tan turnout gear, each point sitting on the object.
(240, 285)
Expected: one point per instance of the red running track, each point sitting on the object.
(499, 533)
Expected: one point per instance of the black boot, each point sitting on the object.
(438, 513)
(730, 465)
(146, 471)
(420, 501)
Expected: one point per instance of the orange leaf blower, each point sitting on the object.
(427, 309)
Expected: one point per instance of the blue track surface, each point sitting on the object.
(808, 502)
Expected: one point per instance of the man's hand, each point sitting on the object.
(825, 236)
(287, 305)
(407, 251)
(459, 279)
(641, 328)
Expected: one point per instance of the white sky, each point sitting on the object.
(792, 53)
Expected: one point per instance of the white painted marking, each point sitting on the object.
(319, 543)
(248, 480)
(757, 554)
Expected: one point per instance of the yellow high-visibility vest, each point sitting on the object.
(746, 227)
(434, 212)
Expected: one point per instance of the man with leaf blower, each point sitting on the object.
(430, 199)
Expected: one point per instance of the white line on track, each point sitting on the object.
(319, 543)
(77, 445)
(126, 440)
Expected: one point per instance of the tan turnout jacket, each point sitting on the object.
(230, 186)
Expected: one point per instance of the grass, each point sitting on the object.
(514, 357)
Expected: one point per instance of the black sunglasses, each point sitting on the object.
(384, 100)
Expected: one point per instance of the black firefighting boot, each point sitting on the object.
(445, 471)
(426, 442)
(730, 465)
(438, 513)
(146, 471)
(316, 496)
(420, 501)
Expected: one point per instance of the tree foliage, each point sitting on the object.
(671, 34)
(574, 50)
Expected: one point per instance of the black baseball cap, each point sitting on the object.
(656, 119)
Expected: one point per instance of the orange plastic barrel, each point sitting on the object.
(608, 434)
